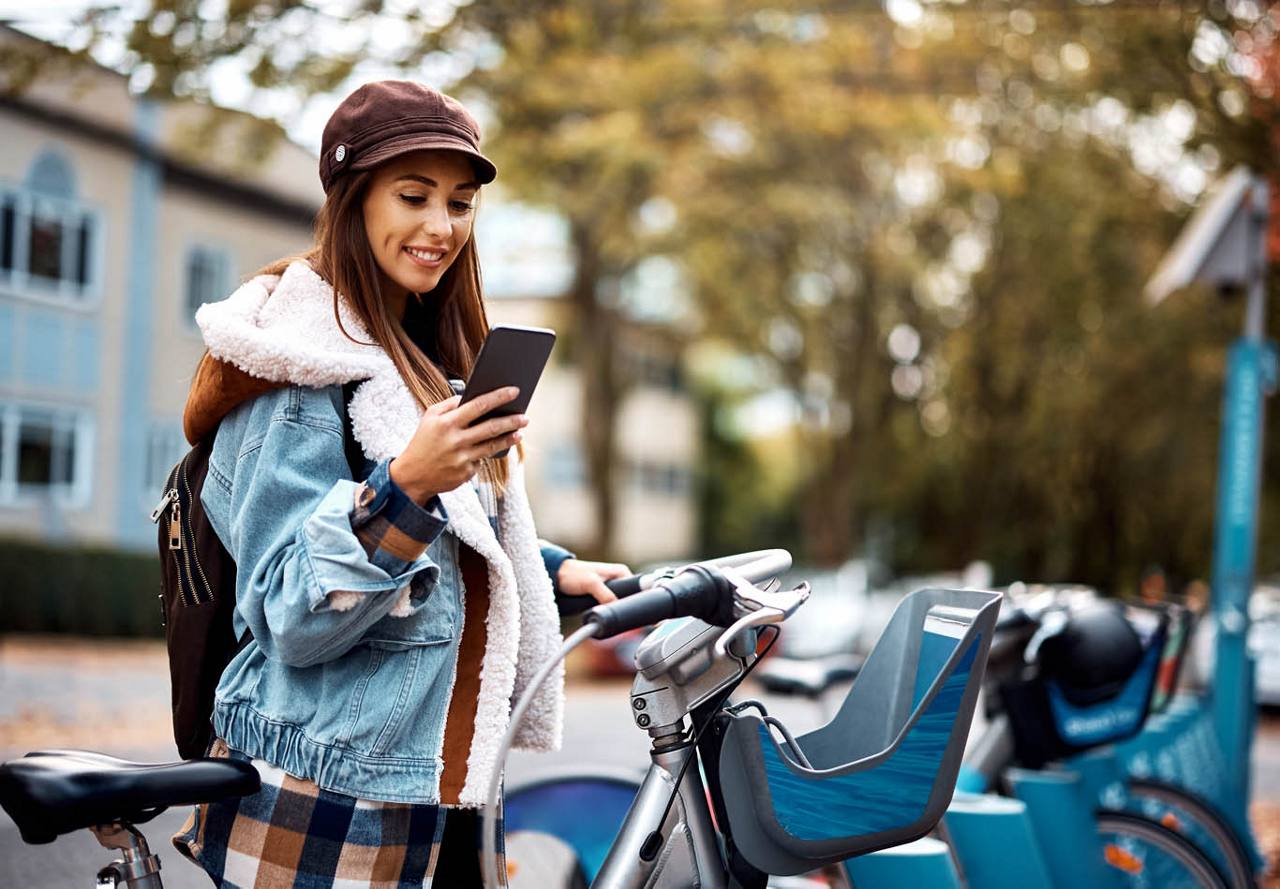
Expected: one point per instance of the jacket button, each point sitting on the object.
(340, 153)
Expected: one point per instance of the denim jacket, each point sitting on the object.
(352, 591)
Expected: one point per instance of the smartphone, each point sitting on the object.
(511, 356)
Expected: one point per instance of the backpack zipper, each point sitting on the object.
(189, 551)
(171, 501)
(169, 495)
(175, 525)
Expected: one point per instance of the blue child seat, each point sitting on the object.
(882, 771)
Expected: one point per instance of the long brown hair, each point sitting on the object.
(342, 256)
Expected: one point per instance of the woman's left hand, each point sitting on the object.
(579, 578)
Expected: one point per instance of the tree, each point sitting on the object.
(916, 221)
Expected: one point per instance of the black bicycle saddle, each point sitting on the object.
(806, 678)
(52, 792)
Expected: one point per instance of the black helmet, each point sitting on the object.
(1094, 655)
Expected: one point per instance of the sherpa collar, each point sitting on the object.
(283, 330)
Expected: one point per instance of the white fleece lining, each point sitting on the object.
(283, 330)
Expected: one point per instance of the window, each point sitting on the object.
(649, 369)
(208, 276)
(664, 479)
(565, 466)
(49, 241)
(44, 452)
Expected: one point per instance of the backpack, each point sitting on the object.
(198, 591)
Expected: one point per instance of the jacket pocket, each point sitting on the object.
(436, 606)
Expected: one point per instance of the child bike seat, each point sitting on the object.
(883, 770)
(52, 792)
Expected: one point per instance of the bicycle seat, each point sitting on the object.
(807, 678)
(52, 792)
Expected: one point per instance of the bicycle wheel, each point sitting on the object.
(555, 804)
(1185, 813)
(1146, 855)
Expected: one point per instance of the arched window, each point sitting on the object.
(48, 237)
(51, 175)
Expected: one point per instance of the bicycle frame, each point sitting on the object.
(683, 674)
(691, 852)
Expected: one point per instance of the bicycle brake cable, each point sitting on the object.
(653, 842)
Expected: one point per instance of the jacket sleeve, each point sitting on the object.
(552, 558)
(316, 564)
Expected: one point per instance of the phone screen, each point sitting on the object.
(511, 356)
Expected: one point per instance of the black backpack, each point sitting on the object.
(198, 592)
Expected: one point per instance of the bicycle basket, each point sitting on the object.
(1094, 685)
(882, 771)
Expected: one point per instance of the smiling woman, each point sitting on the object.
(389, 582)
(418, 213)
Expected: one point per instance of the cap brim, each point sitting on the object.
(486, 172)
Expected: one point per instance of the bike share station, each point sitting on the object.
(1181, 761)
(1110, 778)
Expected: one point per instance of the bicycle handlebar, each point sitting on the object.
(697, 591)
(620, 587)
(765, 563)
(701, 590)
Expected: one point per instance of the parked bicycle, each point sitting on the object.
(879, 774)
(1065, 681)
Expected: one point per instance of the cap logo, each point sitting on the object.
(340, 153)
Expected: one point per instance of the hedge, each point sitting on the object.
(85, 591)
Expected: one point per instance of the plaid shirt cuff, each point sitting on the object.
(392, 528)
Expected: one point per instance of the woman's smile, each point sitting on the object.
(429, 259)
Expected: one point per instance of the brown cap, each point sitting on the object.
(389, 118)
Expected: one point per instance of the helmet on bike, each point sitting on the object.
(1093, 656)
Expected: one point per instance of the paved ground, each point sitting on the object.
(113, 697)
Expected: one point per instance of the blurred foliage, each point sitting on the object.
(929, 222)
(83, 591)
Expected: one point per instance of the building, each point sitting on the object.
(120, 215)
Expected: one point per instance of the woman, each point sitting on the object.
(394, 614)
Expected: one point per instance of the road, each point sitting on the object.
(113, 697)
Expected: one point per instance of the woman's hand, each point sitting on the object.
(579, 578)
(446, 449)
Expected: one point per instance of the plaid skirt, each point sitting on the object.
(291, 834)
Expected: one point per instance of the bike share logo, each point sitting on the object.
(1098, 725)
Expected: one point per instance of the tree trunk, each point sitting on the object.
(595, 349)
(829, 519)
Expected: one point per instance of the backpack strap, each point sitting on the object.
(355, 456)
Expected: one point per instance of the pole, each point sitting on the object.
(1250, 368)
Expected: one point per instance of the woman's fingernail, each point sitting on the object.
(517, 435)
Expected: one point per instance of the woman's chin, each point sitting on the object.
(418, 283)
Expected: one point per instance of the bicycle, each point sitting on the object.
(1043, 713)
(879, 774)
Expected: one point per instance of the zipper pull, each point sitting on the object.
(171, 494)
(175, 526)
